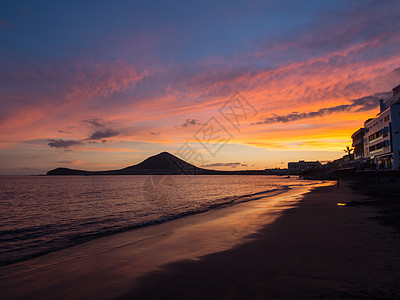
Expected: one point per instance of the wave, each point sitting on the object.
(77, 238)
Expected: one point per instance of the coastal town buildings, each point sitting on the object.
(382, 135)
(304, 165)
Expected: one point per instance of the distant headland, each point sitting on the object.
(163, 163)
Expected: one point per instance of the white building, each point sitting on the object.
(382, 134)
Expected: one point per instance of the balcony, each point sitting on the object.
(377, 151)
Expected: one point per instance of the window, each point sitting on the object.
(379, 146)
(375, 135)
(384, 130)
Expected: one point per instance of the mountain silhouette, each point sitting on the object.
(163, 163)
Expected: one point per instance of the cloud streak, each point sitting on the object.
(101, 133)
(190, 122)
(357, 105)
(98, 135)
(60, 143)
(232, 165)
(96, 123)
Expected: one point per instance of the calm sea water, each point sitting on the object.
(39, 215)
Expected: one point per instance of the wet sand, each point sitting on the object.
(108, 267)
(316, 250)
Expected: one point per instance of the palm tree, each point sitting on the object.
(348, 150)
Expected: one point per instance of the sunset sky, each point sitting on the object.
(227, 85)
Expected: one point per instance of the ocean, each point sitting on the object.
(43, 214)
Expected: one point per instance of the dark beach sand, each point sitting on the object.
(316, 250)
(289, 246)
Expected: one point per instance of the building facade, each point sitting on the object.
(381, 134)
(358, 144)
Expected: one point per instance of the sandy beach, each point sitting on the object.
(298, 244)
(316, 250)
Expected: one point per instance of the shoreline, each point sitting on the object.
(117, 260)
(315, 250)
(229, 201)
